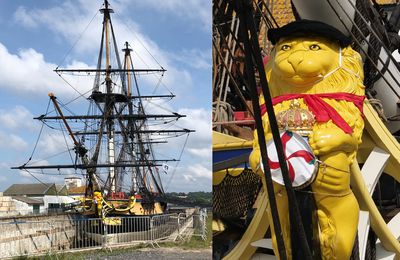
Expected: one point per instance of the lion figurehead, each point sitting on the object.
(311, 58)
(316, 60)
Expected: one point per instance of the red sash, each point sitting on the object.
(323, 111)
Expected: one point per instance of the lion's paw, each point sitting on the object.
(328, 140)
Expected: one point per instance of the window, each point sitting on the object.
(54, 206)
(36, 209)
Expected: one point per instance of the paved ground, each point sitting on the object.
(157, 254)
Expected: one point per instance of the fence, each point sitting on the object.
(192, 225)
(19, 238)
(200, 224)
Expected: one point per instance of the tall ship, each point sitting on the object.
(113, 144)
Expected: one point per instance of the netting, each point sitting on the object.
(235, 195)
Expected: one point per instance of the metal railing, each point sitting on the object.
(200, 224)
(21, 238)
(163, 226)
(192, 225)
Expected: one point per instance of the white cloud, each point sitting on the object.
(204, 153)
(195, 165)
(39, 162)
(198, 11)
(199, 142)
(12, 142)
(17, 117)
(195, 58)
(69, 19)
(199, 171)
(29, 73)
(200, 121)
(189, 178)
(24, 173)
(51, 144)
(22, 17)
(17, 142)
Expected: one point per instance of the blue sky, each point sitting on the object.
(35, 38)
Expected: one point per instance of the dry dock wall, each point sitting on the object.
(31, 235)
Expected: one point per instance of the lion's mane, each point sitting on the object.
(348, 78)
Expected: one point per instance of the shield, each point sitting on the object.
(301, 162)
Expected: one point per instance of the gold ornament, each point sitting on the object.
(296, 119)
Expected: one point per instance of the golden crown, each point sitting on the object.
(296, 119)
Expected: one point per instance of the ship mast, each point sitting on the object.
(109, 102)
(143, 147)
(128, 65)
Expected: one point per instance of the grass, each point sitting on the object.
(94, 253)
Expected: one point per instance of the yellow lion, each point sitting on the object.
(308, 63)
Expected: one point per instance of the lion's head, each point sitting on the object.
(314, 65)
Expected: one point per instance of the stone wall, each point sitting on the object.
(32, 235)
(7, 206)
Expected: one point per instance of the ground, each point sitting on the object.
(158, 253)
(139, 253)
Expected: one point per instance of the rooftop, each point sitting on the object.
(31, 189)
(77, 190)
(28, 200)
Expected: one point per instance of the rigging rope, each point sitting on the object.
(225, 113)
(77, 40)
(177, 163)
(37, 139)
(253, 60)
(36, 177)
(223, 86)
(232, 79)
(155, 89)
(69, 84)
(76, 98)
(133, 32)
(48, 157)
(365, 39)
(137, 54)
(264, 15)
(157, 105)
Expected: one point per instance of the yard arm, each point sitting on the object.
(80, 149)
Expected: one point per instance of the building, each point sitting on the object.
(77, 192)
(73, 182)
(26, 205)
(31, 190)
(38, 198)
